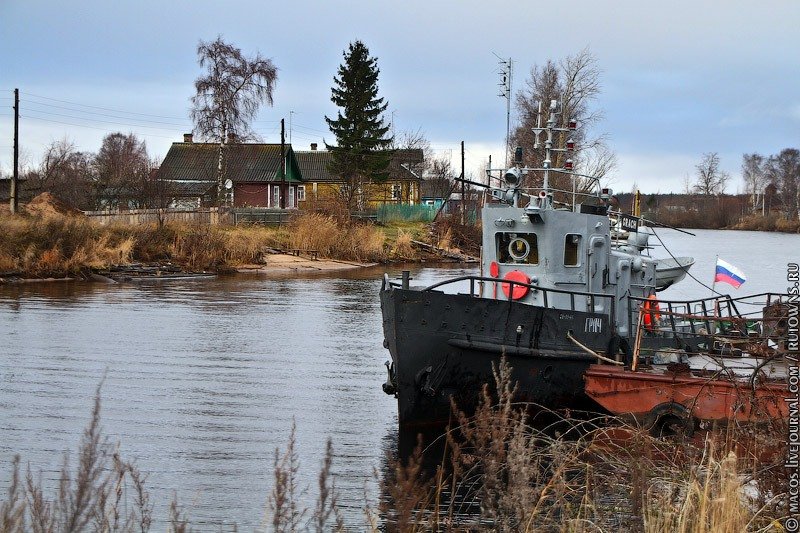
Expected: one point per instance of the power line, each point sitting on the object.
(93, 127)
(92, 119)
(98, 114)
(103, 108)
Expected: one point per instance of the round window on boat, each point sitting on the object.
(519, 249)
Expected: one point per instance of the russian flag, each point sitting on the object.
(729, 274)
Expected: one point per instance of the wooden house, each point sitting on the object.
(401, 187)
(189, 174)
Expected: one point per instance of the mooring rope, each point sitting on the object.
(592, 352)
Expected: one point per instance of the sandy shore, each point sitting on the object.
(284, 263)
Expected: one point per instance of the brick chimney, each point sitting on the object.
(313, 146)
(187, 137)
(232, 137)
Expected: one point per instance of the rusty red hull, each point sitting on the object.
(649, 394)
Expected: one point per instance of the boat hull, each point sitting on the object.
(444, 348)
(647, 395)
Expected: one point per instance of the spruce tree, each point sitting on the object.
(361, 153)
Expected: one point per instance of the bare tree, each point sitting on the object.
(783, 170)
(755, 178)
(65, 173)
(229, 95)
(711, 180)
(122, 169)
(441, 178)
(574, 82)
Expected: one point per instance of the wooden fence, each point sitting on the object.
(262, 217)
(209, 215)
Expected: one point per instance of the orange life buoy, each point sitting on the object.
(518, 291)
(652, 313)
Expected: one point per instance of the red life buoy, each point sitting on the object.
(519, 291)
(652, 313)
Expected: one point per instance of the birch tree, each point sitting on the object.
(229, 95)
(783, 170)
(755, 179)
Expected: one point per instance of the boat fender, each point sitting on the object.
(670, 419)
(619, 344)
(390, 387)
(652, 313)
(519, 291)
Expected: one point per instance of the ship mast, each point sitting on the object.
(549, 130)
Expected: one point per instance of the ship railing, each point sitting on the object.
(591, 299)
(753, 323)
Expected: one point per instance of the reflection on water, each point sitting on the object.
(203, 379)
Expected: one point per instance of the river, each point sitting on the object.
(202, 380)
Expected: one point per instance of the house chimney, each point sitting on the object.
(187, 137)
(313, 146)
(231, 137)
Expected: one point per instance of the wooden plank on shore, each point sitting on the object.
(445, 253)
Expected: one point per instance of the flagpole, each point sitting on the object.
(714, 282)
(716, 301)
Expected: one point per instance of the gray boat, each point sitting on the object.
(558, 291)
(670, 271)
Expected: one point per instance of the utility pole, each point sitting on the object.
(463, 189)
(283, 167)
(290, 126)
(12, 193)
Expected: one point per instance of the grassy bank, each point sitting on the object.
(498, 474)
(771, 222)
(60, 245)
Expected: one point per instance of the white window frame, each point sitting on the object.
(301, 193)
(397, 191)
(276, 196)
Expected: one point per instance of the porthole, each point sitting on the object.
(519, 249)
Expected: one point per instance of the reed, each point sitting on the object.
(61, 245)
(497, 472)
(337, 239)
(403, 250)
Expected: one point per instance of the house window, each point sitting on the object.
(276, 196)
(397, 190)
(301, 193)
(572, 247)
(291, 203)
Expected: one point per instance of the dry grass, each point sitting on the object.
(59, 245)
(771, 222)
(103, 493)
(336, 239)
(502, 474)
(403, 250)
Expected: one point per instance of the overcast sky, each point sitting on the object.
(679, 78)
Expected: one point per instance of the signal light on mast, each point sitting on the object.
(572, 124)
(568, 164)
(570, 145)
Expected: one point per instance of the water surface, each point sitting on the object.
(202, 380)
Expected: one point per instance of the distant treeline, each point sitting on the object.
(710, 212)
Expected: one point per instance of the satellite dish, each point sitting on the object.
(228, 184)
